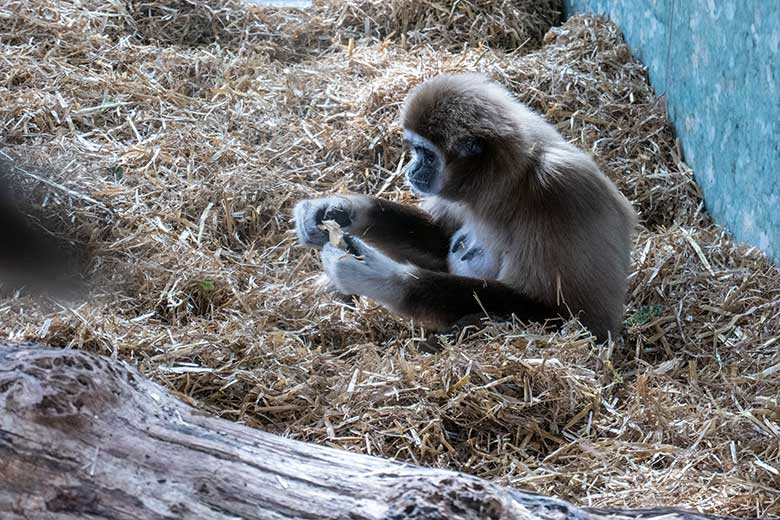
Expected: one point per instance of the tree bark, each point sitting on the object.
(82, 436)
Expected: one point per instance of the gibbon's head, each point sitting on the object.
(462, 130)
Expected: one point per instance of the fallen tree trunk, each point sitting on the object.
(84, 437)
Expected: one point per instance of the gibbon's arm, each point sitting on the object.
(404, 233)
(440, 300)
(437, 299)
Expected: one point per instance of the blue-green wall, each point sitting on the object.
(718, 64)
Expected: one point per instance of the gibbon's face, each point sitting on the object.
(427, 170)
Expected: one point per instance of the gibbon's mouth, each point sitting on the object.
(421, 187)
(422, 173)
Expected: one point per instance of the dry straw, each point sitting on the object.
(179, 134)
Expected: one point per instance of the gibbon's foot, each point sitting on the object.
(467, 257)
(310, 213)
(365, 271)
(433, 344)
(327, 286)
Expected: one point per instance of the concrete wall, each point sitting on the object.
(718, 63)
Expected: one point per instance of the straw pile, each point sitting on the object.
(180, 133)
(509, 25)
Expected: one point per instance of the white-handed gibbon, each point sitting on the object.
(513, 219)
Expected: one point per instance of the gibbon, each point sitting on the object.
(513, 219)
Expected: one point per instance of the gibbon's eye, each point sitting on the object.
(469, 147)
(424, 154)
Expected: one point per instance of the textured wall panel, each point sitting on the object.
(718, 63)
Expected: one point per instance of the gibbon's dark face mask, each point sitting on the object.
(425, 170)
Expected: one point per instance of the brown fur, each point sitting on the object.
(561, 227)
(536, 210)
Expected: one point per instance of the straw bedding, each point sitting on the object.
(176, 135)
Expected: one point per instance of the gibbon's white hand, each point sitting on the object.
(365, 271)
(309, 214)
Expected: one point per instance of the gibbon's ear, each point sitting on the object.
(469, 147)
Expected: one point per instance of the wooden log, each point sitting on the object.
(82, 436)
